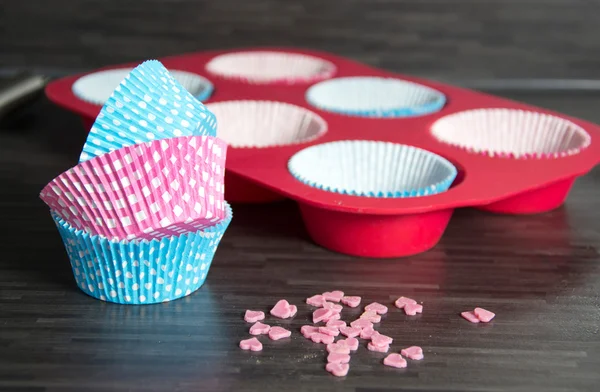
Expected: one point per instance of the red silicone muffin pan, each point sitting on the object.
(385, 226)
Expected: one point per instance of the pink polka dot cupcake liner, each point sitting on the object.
(141, 272)
(270, 67)
(511, 133)
(149, 104)
(145, 191)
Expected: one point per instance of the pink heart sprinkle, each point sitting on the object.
(361, 323)
(381, 349)
(276, 333)
(381, 340)
(336, 324)
(308, 330)
(353, 302)
(259, 329)
(253, 316)
(352, 343)
(251, 344)
(470, 316)
(321, 315)
(484, 315)
(321, 338)
(403, 301)
(316, 300)
(282, 309)
(331, 331)
(367, 333)
(340, 348)
(395, 360)
(338, 369)
(334, 307)
(293, 310)
(371, 316)
(413, 309)
(377, 308)
(334, 296)
(338, 358)
(413, 352)
(334, 316)
(350, 332)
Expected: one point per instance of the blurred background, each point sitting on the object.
(469, 42)
(543, 52)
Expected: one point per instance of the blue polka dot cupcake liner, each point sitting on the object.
(372, 169)
(141, 272)
(149, 104)
(97, 87)
(375, 97)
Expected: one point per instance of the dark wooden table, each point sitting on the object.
(540, 274)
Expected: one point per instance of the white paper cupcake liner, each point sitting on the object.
(511, 133)
(266, 67)
(375, 97)
(372, 169)
(97, 87)
(148, 104)
(266, 123)
(141, 272)
(145, 191)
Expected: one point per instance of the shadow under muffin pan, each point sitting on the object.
(503, 156)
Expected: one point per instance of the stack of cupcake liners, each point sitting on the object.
(143, 212)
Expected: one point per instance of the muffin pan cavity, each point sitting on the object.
(266, 67)
(97, 87)
(511, 133)
(266, 123)
(372, 169)
(375, 97)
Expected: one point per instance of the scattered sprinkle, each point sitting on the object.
(413, 309)
(259, 329)
(253, 316)
(352, 302)
(413, 352)
(251, 344)
(395, 360)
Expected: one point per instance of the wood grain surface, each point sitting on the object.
(540, 274)
(450, 39)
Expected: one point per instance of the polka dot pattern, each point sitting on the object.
(141, 272)
(146, 191)
(149, 104)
